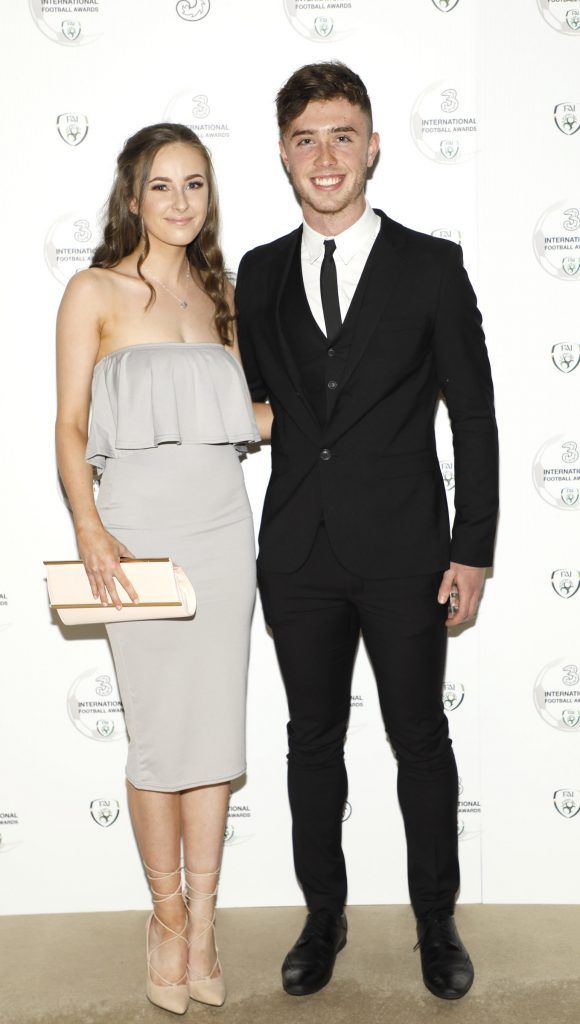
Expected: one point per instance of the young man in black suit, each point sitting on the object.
(349, 329)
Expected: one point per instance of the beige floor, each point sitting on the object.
(88, 969)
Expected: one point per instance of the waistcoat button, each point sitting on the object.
(325, 455)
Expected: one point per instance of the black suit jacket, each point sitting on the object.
(371, 471)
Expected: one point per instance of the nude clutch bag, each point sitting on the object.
(164, 590)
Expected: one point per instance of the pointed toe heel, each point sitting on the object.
(208, 990)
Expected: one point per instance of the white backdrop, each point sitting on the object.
(478, 106)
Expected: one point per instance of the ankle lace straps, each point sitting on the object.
(161, 897)
(200, 894)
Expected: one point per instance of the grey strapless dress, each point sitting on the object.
(165, 418)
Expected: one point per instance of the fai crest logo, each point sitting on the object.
(567, 802)
(562, 15)
(323, 27)
(566, 117)
(451, 234)
(193, 10)
(566, 356)
(104, 812)
(453, 694)
(72, 128)
(448, 474)
(71, 29)
(449, 148)
(566, 582)
(445, 5)
(571, 265)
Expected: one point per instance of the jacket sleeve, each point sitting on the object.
(464, 374)
(243, 301)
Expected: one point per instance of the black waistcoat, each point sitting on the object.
(320, 367)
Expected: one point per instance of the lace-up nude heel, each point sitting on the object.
(170, 995)
(205, 990)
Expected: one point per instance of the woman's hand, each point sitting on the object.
(101, 554)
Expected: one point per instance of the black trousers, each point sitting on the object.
(316, 615)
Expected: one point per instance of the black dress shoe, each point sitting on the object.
(447, 968)
(309, 964)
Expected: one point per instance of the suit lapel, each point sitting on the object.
(374, 291)
(279, 277)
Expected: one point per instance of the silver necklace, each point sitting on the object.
(182, 302)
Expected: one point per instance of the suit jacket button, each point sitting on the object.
(332, 384)
(325, 455)
(331, 352)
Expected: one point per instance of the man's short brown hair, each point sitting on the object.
(324, 81)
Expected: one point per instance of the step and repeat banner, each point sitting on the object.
(479, 146)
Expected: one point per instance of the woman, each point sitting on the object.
(149, 328)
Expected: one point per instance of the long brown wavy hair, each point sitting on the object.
(124, 230)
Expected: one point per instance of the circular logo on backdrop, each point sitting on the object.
(94, 706)
(557, 240)
(68, 22)
(566, 117)
(468, 816)
(557, 695)
(445, 5)
(556, 473)
(321, 20)
(192, 10)
(72, 128)
(9, 831)
(453, 694)
(565, 582)
(566, 356)
(567, 802)
(236, 831)
(69, 246)
(444, 123)
(193, 108)
(562, 15)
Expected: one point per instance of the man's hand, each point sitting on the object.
(467, 583)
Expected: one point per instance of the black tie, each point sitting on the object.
(329, 292)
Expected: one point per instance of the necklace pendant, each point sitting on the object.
(183, 304)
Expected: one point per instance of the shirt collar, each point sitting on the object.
(358, 237)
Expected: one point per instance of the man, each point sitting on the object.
(349, 328)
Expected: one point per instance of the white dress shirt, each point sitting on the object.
(352, 251)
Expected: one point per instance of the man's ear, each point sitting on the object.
(374, 146)
(283, 153)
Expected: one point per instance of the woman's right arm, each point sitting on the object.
(78, 339)
(264, 418)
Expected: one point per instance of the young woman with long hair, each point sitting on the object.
(146, 337)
